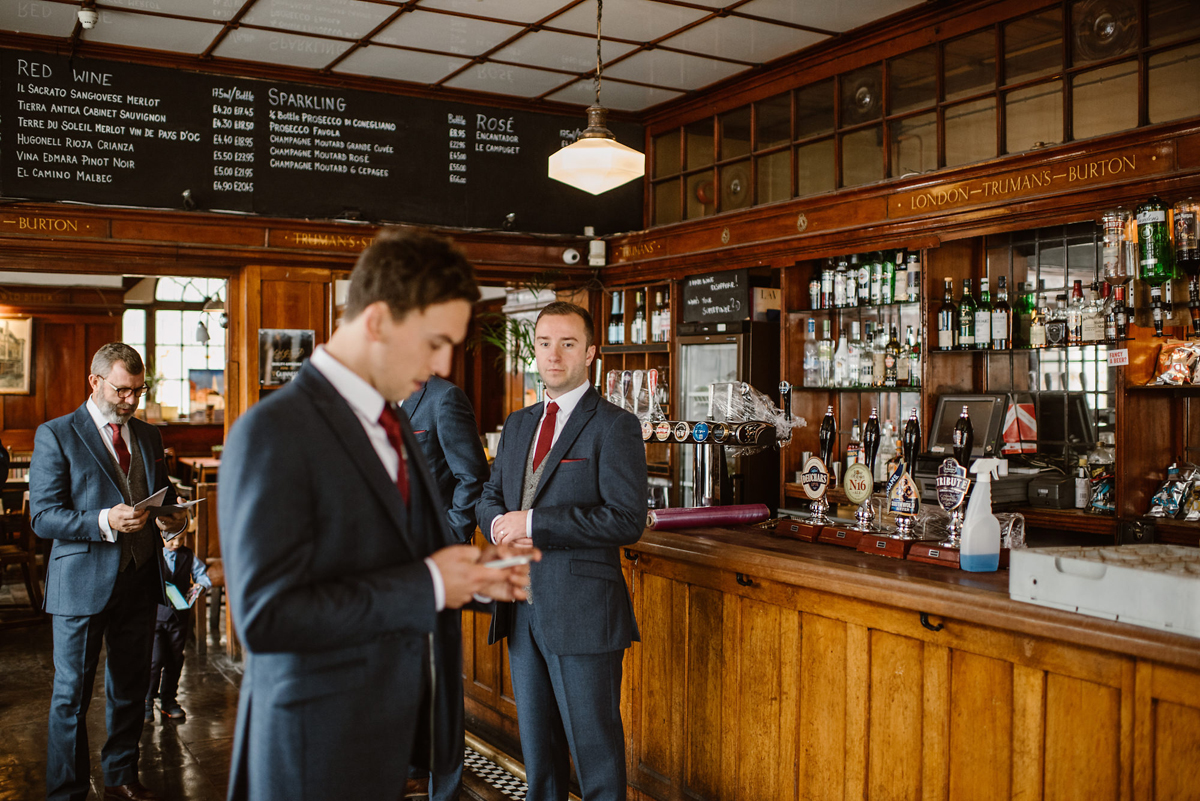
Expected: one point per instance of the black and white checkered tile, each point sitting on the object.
(493, 774)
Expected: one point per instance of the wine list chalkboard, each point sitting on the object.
(120, 134)
(717, 297)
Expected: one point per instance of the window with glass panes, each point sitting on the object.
(169, 334)
(1073, 70)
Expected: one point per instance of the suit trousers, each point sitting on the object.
(567, 705)
(126, 627)
(170, 636)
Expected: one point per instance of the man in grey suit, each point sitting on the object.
(570, 479)
(104, 580)
(444, 425)
(338, 559)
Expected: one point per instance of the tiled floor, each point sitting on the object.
(186, 761)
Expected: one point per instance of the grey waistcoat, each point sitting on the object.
(137, 546)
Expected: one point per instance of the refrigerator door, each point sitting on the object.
(703, 360)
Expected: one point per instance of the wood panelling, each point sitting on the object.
(704, 710)
(1082, 737)
(896, 694)
(980, 747)
(823, 708)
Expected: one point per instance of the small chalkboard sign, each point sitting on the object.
(717, 297)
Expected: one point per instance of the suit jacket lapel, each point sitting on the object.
(349, 434)
(143, 444)
(516, 455)
(414, 401)
(85, 427)
(582, 413)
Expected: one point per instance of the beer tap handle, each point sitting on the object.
(785, 398)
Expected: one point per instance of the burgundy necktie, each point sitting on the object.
(546, 435)
(118, 443)
(391, 425)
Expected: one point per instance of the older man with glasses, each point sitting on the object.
(104, 580)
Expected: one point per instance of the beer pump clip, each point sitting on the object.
(814, 480)
(904, 498)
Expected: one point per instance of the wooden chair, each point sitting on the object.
(208, 549)
(18, 546)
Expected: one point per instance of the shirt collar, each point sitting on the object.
(568, 400)
(362, 397)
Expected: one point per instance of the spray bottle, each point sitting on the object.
(980, 549)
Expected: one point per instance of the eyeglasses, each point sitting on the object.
(127, 392)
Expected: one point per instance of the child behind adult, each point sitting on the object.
(170, 631)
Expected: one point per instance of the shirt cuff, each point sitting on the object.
(439, 587)
(529, 524)
(492, 530)
(106, 532)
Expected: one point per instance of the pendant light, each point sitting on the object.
(597, 162)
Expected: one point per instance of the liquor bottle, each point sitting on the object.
(879, 354)
(870, 440)
(854, 449)
(841, 361)
(911, 443)
(866, 358)
(914, 278)
(825, 356)
(914, 362)
(1022, 317)
(900, 295)
(1057, 323)
(1093, 316)
(1156, 259)
(812, 374)
(903, 362)
(1075, 314)
(1114, 258)
(891, 359)
(887, 452)
(876, 280)
(827, 436)
(948, 319)
(840, 278)
(656, 317)
(1187, 238)
(1037, 322)
(1001, 316)
(827, 285)
(855, 360)
(983, 317)
(964, 438)
(1109, 305)
(966, 318)
(1083, 484)
(814, 293)
(862, 276)
(616, 321)
(638, 328)
(1121, 315)
(887, 284)
(1156, 308)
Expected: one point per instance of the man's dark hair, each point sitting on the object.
(113, 352)
(409, 270)
(561, 308)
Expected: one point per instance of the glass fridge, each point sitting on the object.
(708, 353)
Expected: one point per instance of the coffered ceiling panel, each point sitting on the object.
(655, 50)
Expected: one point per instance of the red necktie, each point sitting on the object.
(546, 435)
(391, 425)
(118, 443)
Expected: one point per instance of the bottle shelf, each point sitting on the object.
(865, 390)
(647, 347)
(913, 304)
(1053, 348)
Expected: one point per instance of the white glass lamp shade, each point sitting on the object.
(597, 165)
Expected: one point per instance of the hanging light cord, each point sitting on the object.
(599, 63)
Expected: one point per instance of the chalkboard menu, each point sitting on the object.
(717, 297)
(113, 133)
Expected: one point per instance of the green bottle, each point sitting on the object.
(1156, 257)
(966, 318)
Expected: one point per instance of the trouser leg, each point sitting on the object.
(129, 638)
(77, 641)
(587, 688)
(543, 740)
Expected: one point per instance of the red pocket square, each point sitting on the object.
(420, 431)
(572, 461)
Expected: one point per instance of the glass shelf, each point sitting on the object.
(871, 390)
(1051, 348)
(648, 347)
(913, 304)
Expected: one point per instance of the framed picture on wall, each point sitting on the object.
(281, 352)
(16, 355)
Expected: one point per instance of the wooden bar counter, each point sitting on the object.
(775, 669)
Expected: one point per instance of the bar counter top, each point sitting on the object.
(940, 592)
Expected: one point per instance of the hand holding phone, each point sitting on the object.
(511, 561)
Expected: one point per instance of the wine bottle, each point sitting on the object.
(638, 328)
(948, 319)
(1001, 316)
(983, 317)
(827, 436)
(964, 438)
(616, 321)
(966, 318)
(891, 359)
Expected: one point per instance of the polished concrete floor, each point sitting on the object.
(186, 761)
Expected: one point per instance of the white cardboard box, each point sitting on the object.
(1146, 585)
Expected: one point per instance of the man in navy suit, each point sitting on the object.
(444, 425)
(338, 560)
(104, 580)
(570, 479)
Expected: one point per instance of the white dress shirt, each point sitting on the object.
(566, 404)
(367, 405)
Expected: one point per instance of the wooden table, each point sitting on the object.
(203, 468)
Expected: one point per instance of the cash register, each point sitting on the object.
(987, 411)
